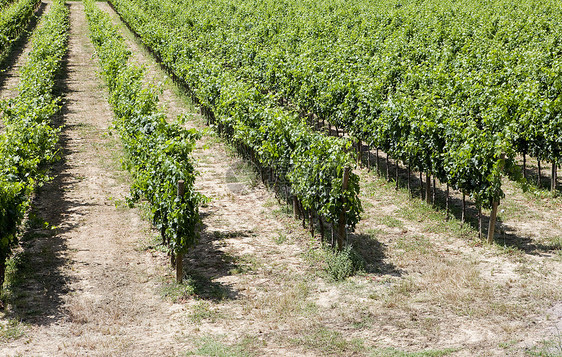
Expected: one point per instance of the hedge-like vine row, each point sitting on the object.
(3, 3)
(311, 163)
(158, 153)
(29, 142)
(13, 20)
(440, 86)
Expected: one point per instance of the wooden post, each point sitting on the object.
(421, 186)
(163, 234)
(295, 207)
(179, 268)
(321, 226)
(409, 175)
(333, 235)
(359, 156)
(311, 222)
(463, 212)
(387, 169)
(433, 193)
(492, 224)
(342, 218)
(368, 159)
(427, 188)
(479, 221)
(524, 165)
(494, 213)
(377, 161)
(553, 177)
(179, 257)
(539, 178)
(2, 273)
(396, 176)
(447, 199)
(302, 213)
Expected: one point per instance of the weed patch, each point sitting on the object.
(340, 265)
(212, 346)
(329, 342)
(11, 330)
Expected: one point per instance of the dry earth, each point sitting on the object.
(97, 298)
(10, 71)
(10, 67)
(94, 281)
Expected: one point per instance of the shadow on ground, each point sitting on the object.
(401, 177)
(17, 48)
(204, 264)
(36, 283)
(372, 252)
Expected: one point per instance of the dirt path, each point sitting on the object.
(244, 232)
(427, 286)
(10, 79)
(447, 288)
(100, 295)
(10, 76)
(97, 297)
(235, 196)
(94, 282)
(172, 104)
(10, 72)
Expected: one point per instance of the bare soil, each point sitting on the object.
(96, 297)
(95, 282)
(10, 67)
(10, 70)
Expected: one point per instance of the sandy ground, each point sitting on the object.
(10, 75)
(105, 303)
(10, 70)
(107, 300)
(99, 285)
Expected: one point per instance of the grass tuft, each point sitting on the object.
(340, 265)
(203, 310)
(211, 346)
(391, 352)
(548, 348)
(329, 342)
(11, 330)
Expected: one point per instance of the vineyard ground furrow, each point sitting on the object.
(10, 73)
(242, 229)
(172, 104)
(448, 261)
(10, 76)
(95, 281)
(235, 194)
(424, 259)
(103, 301)
(528, 215)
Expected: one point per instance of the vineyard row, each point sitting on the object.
(14, 18)
(29, 142)
(437, 86)
(316, 167)
(158, 153)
